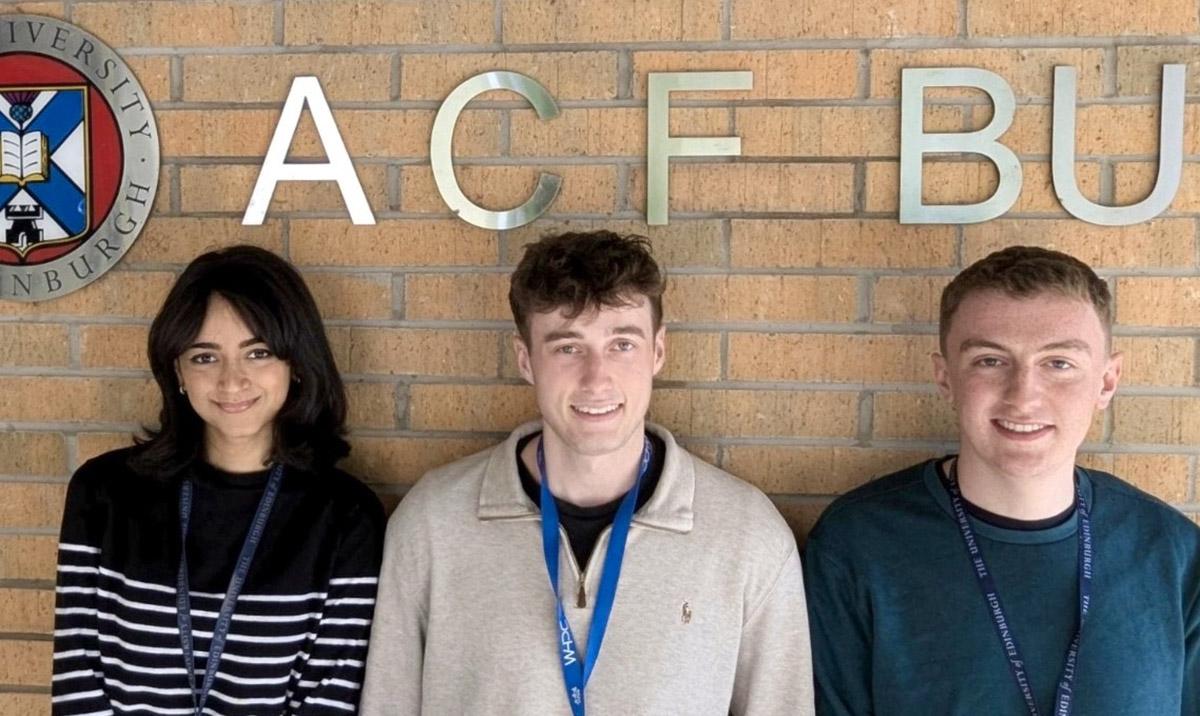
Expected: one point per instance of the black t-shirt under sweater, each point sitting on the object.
(584, 524)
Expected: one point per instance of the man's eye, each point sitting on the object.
(567, 349)
(989, 362)
(625, 345)
(1061, 364)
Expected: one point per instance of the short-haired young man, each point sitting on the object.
(1006, 580)
(588, 563)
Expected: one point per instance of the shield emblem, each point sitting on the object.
(44, 166)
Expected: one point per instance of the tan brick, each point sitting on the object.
(28, 453)
(636, 21)
(1100, 130)
(819, 299)
(16, 704)
(815, 357)
(766, 20)
(25, 663)
(838, 243)
(778, 74)
(585, 188)
(814, 470)
(1158, 301)
(1133, 181)
(1165, 476)
(345, 296)
(470, 407)
(34, 344)
(755, 413)
(705, 451)
(168, 176)
(605, 131)
(91, 445)
(390, 351)
(1156, 419)
(154, 74)
(692, 356)
(49, 9)
(402, 460)
(31, 504)
(1015, 18)
(27, 611)
(228, 187)
(754, 187)
(391, 243)
(457, 296)
(78, 400)
(914, 416)
(179, 239)
(377, 22)
(28, 557)
(970, 182)
(1156, 361)
(1161, 243)
(372, 405)
(112, 346)
(367, 133)
(1139, 68)
(907, 299)
(267, 78)
(565, 75)
(1028, 71)
(831, 131)
(190, 23)
(800, 515)
(132, 294)
(680, 244)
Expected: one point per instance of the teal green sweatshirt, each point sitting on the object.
(900, 626)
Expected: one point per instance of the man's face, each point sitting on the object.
(593, 374)
(1026, 376)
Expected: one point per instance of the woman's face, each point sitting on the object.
(233, 382)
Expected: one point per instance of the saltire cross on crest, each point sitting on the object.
(44, 169)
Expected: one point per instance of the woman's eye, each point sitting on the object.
(203, 358)
(260, 353)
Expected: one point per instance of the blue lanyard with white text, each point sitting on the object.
(576, 674)
(183, 601)
(1065, 694)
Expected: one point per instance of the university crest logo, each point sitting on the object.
(78, 158)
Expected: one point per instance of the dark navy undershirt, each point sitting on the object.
(584, 524)
(1001, 521)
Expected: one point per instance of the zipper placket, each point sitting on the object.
(581, 575)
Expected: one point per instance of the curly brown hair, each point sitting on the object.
(1024, 271)
(580, 271)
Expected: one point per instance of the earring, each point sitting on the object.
(182, 390)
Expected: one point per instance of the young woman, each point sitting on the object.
(223, 565)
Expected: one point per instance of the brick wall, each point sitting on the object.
(801, 312)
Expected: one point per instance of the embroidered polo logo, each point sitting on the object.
(685, 614)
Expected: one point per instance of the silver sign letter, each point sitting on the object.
(1170, 153)
(441, 153)
(915, 143)
(660, 146)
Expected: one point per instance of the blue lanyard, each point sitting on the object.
(575, 673)
(183, 600)
(1065, 694)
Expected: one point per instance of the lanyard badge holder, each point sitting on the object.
(183, 600)
(1064, 696)
(576, 673)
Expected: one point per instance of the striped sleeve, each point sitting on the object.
(77, 686)
(331, 679)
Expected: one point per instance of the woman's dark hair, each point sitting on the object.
(271, 298)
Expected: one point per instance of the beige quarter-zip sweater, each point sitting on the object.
(709, 616)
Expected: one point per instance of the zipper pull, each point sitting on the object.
(581, 599)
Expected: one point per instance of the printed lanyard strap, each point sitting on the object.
(183, 600)
(576, 674)
(1065, 694)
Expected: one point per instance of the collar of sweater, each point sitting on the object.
(670, 508)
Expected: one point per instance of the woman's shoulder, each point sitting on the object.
(348, 495)
(105, 470)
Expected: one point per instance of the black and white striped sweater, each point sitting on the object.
(298, 640)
